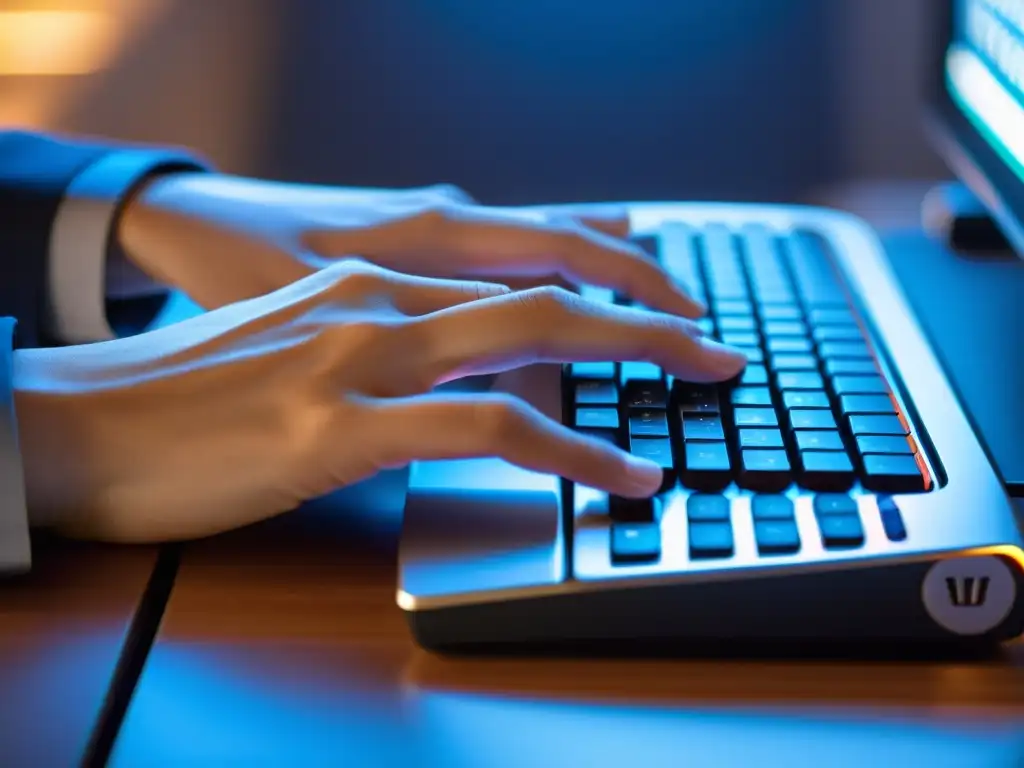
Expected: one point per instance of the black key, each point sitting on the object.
(788, 345)
(592, 370)
(877, 425)
(826, 504)
(809, 398)
(825, 333)
(841, 531)
(879, 404)
(771, 507)
(799, 380)
(785, 328)
(623, 510)
(776, 537)
(707, 466)
(754, 375)
(794, 363)
(825, 470)
(892, 473)
(860, 385)
(697, 398)
(733, 307)
(600, 418)
(635, 542)
(841, 367)
(608, 435)
(760, 438)
(706, 507)
(645, 394)
(650, 422)
(702, 426)
(597, 393)
(831, 317)
(755, 417)
(754, 354)
(811, 419)
(757, 396)
(736, 323)
(818, 440)
(638, 371)
(780, 312)
(764, 470)
(710, 540)
(884, 444)
(892, 521)
(658, 450)
(741, 339)
(845, 350)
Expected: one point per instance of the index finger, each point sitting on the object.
(554, 325)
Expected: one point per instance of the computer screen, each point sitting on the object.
(983, 73)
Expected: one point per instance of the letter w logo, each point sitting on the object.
(967, 591)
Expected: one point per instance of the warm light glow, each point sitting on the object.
(55, 42)
(1016, 554)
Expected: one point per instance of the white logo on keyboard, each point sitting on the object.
(969, 595)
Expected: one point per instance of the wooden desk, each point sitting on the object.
(282, 645)
(62, 634)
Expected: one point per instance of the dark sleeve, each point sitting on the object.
(15, 552)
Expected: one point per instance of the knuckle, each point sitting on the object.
(550, 300)
(498, 419)
(449, 192)
(359, 280)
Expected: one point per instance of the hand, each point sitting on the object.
(221, 239)
(246, 411)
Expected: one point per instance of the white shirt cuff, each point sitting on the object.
(84, 268)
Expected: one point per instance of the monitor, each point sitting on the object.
(978, 105)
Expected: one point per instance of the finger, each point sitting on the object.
(437, 427)
(609, 218)
(553, 325)
(412, 295)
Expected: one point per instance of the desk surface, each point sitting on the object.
(62, 632)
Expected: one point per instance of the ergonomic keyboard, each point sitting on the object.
(834, 491)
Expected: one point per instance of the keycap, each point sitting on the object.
(800, 398)
(658, 450)
(764, 470)
(678, 253)
(707, 507)
(710, 540)
(754, 354)
(825, 470)
(608, 435)
(834, 504)
(645, 394)
(845, 350)
(841, 366)
(741, 339)
(756, 396)
(635, 542)
(818, 440)
(841, 531)
(859, 385)
(623, 510)
(776, 537)
(592, 370)
(754, 375)
(760, 438)
(702, 426)
(876, 425)
(706, 466)
(638, 371)
(784, 328)
(794, 363)
(601, 418)
(892, 473)
(788, 345)
(651, 422)
(880, 404)
(733, 307)
(823, 333)
(800, 418)
(781, 312)
(884, 444)
(813, 273)
(771, 507)
(596, 393)
(736, 323)
(799, 380)
(892, 520)
(697, 398)
(830, 317)
(755, 417)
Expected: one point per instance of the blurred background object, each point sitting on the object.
(515, 100)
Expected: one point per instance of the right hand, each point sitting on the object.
(249, 410)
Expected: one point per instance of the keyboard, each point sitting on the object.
(834, 492)
(815, 411)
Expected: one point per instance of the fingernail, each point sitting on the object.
(645, 476)
(724, 360)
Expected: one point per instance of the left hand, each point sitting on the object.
(222, 239)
